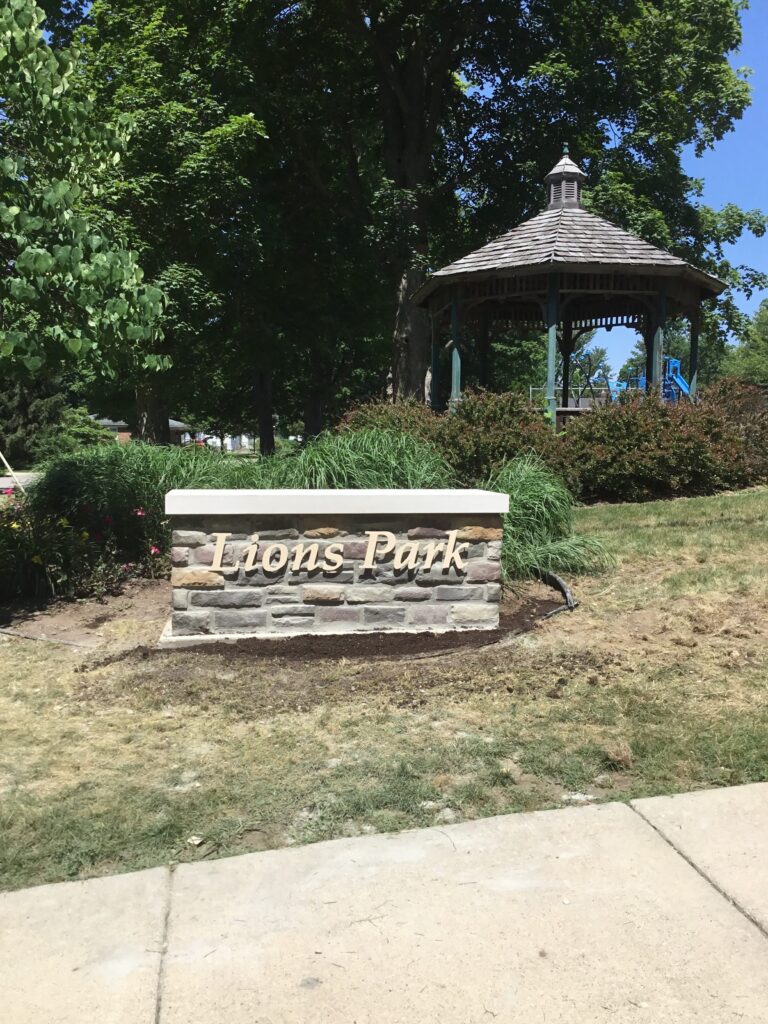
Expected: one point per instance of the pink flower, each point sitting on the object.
(139, 512)
(8, 492)
(154, 550)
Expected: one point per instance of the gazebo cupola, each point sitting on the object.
(566, 271)
(565, 182)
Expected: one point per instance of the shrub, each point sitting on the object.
(745, 407)
(409, 417)
(538, 527)
(483, 432)
(638, 449)
(486, 430)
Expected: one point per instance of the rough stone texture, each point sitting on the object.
(473, 534)
(191, 622)
(458, 593)
(390, 616)
(189, 538)
(423, 532)
(338, 615)
(196, 578)
(239, 620)
(371, 594)
(227, 599)
(474, 614)
(410, 594)
(429, 615)
(323, 595)
(483, 572)
(179, 556)
(296, 610)
(333, 598)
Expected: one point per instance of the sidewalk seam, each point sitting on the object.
(700, 871)
(164, 946)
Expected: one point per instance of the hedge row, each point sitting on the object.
(635, 449)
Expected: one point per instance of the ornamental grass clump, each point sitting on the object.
(538, 529)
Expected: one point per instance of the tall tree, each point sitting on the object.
(69, 287)
(749, 359)
(476, 96)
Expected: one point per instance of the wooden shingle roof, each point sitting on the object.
(566, 237)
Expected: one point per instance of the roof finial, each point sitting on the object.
(566, 150)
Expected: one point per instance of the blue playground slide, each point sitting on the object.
(674, 386)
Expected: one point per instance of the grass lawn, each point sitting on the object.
(112, 758)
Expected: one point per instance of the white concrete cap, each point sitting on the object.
(340, 502)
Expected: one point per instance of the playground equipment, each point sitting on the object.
(674, 386)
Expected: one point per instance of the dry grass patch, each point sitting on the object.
(657, 683)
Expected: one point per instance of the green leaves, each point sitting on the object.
(71, 287)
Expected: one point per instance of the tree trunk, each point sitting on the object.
(263, 388)
(152, 413)
(411, 341)
(313, 414)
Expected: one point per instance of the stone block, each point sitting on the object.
(476, 551)
(355, 548)
(437, 575)
(484, 615)
(341, 615)
(227, 599)
(493, 592)
(189, 538)
(388, 576)
(411, 593)
(278, 534)
(474, 534)
(426, 533)
(388, 616)
(372, 594)
(282, 595)
(236, 620)
(323, 532)
(256, 578)
(444, 593)
(197, 579)
(428, 615)
(179, 600)
(279, 611)
(187, 623)
(322, 594)
(494, 551)
(179, 556)
(293, 622)
(483, 572)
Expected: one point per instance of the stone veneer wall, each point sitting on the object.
(349, 600)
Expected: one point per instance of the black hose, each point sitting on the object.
(557, 583)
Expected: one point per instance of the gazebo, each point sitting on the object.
(566, 271)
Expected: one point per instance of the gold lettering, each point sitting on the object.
(407, 556)
(431, 553)
(370, 554)
(251, 553)
(218, 553)
(282, 557)
(334, 558)
(453, 552)
(300, 553)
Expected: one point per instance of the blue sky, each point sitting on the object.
(732, 172)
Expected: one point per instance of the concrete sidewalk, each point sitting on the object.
(654, 912)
